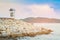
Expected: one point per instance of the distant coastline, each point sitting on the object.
(41, 20)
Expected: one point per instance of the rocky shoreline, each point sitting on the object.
(10, 27)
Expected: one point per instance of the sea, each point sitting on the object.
(55, 35)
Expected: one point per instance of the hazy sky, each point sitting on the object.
(31, 8)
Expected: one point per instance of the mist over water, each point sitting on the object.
(55, 35)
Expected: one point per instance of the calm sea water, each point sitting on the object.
(55, 35)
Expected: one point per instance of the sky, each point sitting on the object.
(31, 8)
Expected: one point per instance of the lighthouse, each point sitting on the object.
(12, 12)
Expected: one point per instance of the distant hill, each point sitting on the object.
(41, 20)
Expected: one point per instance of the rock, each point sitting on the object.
(10, 27)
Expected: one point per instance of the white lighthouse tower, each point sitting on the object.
(12, 12)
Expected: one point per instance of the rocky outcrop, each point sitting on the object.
(10, 27)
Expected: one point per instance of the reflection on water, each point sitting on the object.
(55, 35)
